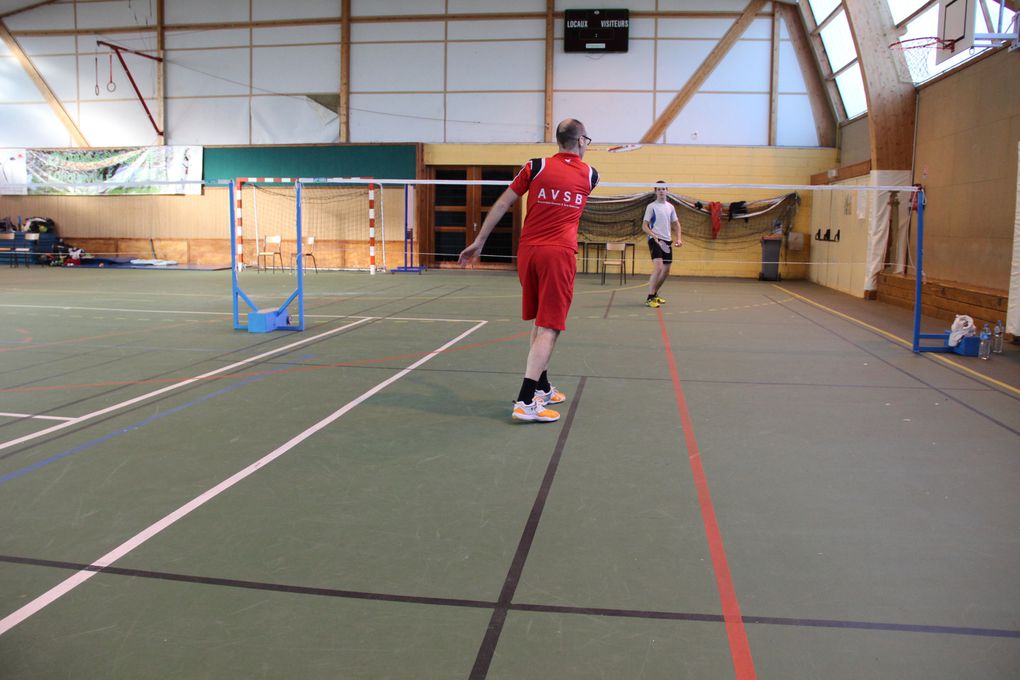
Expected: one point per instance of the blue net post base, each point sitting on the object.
(967, 347)
(267, 320)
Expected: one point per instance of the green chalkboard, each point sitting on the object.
(381, 161)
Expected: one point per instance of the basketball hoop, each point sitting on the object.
(918, 54)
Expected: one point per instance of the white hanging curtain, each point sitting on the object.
(1013, 306)
(878, 224)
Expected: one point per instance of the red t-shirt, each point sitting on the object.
(557, 189)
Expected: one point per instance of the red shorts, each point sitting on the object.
(547, 279)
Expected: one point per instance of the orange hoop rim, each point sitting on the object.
(922, 43)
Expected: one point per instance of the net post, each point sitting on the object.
(233, 254)
(919, 270)
(408, 265)
(371, 228)
(237, 219)
(299, 262)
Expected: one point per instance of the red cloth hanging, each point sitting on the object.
(715, 208)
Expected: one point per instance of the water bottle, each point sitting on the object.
(986, 344)
(997, 337)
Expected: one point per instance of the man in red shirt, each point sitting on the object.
(557, 188)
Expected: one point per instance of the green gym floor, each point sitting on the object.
(756, 480)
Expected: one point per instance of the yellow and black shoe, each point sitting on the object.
(660, 300)
(652, 302)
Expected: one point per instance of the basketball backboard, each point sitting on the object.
(956, 27)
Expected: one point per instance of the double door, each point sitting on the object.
(458, 210)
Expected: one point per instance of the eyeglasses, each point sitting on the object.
(586, 138)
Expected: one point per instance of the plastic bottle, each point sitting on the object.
(986, 343)
(997, 337)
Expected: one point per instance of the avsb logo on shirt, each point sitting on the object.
(560, 197)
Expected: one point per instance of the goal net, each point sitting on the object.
(341, 225)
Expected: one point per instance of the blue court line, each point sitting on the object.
(130, 428)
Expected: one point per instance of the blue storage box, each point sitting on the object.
(967, 346)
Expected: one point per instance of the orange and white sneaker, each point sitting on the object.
(535, 412)
(552, 397)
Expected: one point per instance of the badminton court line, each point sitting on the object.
(64, 308)
(740, 649)
(149, 395)
(72, 582)
(29, 415)
(906, 343)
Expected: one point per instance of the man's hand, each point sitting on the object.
(469, 254)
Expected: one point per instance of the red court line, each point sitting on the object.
(104, 336)
(251, 374)
(740, 649)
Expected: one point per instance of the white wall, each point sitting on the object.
(423, 80)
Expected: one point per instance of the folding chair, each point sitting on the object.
(614, 256)
(7, 246)
(270, 250)
(27, 250)
(309, 245)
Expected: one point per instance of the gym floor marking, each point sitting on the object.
(138, 539)
(149, 395)
(29, 415)
(907, 343)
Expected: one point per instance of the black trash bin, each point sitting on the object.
(770, 246)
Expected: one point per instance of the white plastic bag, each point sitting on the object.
(963, 327)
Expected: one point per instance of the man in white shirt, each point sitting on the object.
(660, 224)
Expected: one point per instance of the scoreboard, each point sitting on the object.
(596, 30)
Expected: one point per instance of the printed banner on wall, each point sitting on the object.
(142, 170)
(13, 174)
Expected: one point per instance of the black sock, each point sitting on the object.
(651, 295)
(543, 382)
(527, 393)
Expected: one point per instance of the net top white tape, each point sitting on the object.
(439, 182)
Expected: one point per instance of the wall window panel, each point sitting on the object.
(483, 66)
(495, 117)
(310, 68)
(397, 118)
(399, 67)
(610, 117)
(208, 121)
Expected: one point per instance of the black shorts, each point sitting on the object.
(657, 253)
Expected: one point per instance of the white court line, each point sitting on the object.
(124, 548)
(143, 397)
(29, 415)
(64, 308)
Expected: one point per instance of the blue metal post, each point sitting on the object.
(233, 253)
(919, 270)
(300, 259)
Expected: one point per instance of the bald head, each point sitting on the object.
(569, 134)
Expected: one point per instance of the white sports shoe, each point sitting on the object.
(553, 396)
(535, 412)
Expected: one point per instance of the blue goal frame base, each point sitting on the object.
(268, 320)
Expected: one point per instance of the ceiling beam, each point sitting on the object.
(699, 77)
(774, 79)
(550, 35)
(40, 83)
(161, 70)
(821, 105)
(345, 71)
(26, 8)
(891, 103)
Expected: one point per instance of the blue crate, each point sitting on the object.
(967, 346)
